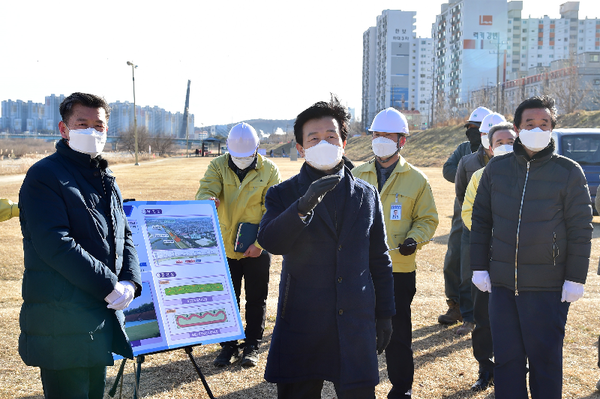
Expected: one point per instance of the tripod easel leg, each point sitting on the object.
(118, 378)
(188, 350)
(139, 360)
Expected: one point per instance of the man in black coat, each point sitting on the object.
(538, 206)
(81, 267)
(336, 296)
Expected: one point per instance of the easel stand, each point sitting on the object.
(138, 371)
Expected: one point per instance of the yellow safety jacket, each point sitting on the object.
(408, 187)
(240, 202)
(467, 208)
(8, 209)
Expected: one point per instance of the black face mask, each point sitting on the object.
(474, 136)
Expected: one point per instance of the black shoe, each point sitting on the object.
(485, 380)
(224, 358)
(250, 356)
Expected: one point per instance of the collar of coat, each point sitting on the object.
(83, 160)
(540, 156)
(401, 167)
(353, 202)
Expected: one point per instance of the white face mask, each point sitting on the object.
(384, 147)
(323, 156)
(242, 162)
(485, 141)
(87, 141)
(535, 139)
(503, 149)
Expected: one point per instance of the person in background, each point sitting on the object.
(466, 167)
(410, 219)
(452, 275)
(538, 206)
(336, 296)
(501, 138)
(238, 182)
(8, 209)
(81, 266)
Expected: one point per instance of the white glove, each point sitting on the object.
(116, 293)
(481, 279)
(128, 289)
(571, 291)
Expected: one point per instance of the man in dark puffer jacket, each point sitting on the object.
(81, 267)
(530, 248)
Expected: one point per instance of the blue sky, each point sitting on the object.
(261, 59)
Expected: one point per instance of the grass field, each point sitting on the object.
(444, 364)
(143, 331)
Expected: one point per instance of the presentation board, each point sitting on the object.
(187, 295)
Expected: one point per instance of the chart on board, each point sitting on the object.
(187, 295)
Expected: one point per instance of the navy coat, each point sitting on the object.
(332, 287)
(77, 246)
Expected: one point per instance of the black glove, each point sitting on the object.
(384, 334)
(316, 192)
(409, 247)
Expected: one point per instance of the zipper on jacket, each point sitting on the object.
(555, 250)
(519, 226)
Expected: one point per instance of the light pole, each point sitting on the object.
(133, 66)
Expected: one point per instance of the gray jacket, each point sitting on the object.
(532, 221)
(468, 165)
(449, 169)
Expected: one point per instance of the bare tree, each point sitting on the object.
(442, 109)
(568, 90)
(355, 128)
(126, 140)
(162, 144)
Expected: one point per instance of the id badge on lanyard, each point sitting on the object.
(396, 210)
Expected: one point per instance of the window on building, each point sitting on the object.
(524, 30)
(539, 56)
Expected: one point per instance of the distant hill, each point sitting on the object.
(268, 126)
(432, 147)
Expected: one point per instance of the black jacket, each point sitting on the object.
(77, 246)
(532, 221)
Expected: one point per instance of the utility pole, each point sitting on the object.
(133, 66)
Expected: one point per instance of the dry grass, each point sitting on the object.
(445, 367)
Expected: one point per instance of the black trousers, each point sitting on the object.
(255, 272)
(311, 389)
(399, 354)
(75, 383)
(528, 328)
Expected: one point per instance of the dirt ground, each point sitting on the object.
(445, 367)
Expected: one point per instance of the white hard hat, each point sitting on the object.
(489, 121)
(478, 115)
(390, 120)
(242, 140)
